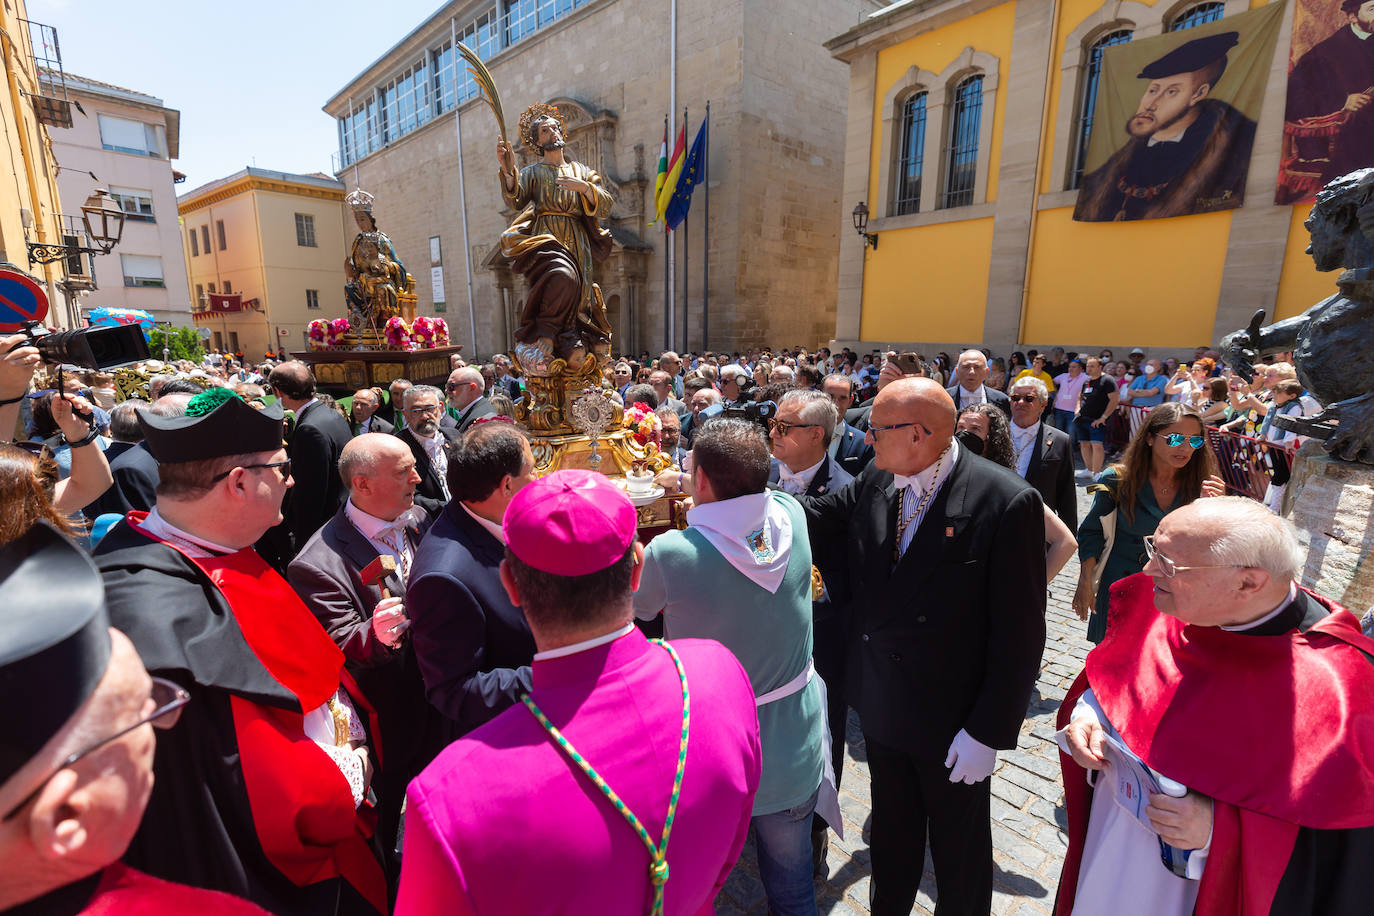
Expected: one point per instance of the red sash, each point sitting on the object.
(301, 804)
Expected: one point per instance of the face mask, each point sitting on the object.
(969, 439)
(1149, 370)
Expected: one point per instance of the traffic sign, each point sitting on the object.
(21, 300)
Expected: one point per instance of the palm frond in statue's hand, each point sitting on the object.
(482, 76)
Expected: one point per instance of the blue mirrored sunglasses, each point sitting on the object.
(1177, 439)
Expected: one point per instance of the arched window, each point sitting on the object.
(1088, 101)
(1197, 15)
(961, 155)
(910, 156)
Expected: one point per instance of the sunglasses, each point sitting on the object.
(1177, 439)
(782, 426)
(168, 699)
(1026, 398)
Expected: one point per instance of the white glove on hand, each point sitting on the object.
(389, 621)
(970, 761)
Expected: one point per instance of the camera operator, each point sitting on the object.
(735, 383)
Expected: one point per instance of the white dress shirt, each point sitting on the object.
(969, 398)
(496, 530)
(914, 488)
(389, 537)
(1023, 446)
(796, 482)
(434, 448)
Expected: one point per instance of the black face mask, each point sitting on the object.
(970, 440)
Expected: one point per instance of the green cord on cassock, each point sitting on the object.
(658, 854)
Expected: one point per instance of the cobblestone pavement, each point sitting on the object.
(1028, 840)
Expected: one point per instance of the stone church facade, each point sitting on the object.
(777, 222)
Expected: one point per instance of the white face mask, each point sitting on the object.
(1149, 370)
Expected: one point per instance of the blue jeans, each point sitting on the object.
(1064, 419)
(784, 846)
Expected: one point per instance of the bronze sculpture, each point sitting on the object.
(553, 243)
(376, 276)
(1330, 341)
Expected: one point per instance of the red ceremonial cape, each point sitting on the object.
(301, 803)
(1277, 730)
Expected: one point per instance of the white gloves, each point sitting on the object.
(970, 760)
(389, 622)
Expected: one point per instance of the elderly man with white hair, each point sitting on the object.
(970, 372)
(1219, 744)
(1042, 454)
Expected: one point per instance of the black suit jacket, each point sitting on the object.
(378, 425)
(1051, 473)
(831, 475)
(852, 453)
(950, 636)
(429, 492)
(134, 470)
(857, 417)
(994, 397)
(476, 410)
(474, 647)
(327, 576)
(316, 442)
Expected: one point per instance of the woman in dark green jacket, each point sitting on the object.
(1166, 465)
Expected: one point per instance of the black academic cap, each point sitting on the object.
(216, 424)
(1190, 56)
(54, 640)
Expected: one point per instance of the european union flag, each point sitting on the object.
(692, 173)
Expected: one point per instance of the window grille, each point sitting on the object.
(1197, 15)
(911, 156)
(961, 156)
(1092, 78)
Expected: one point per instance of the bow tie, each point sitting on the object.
(399, 524)
(786, 477)
(901, 481)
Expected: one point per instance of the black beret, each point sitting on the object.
(215, 425)
(54, 640)
(1190, 56)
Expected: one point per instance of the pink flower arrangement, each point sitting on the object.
(440, 332)
(422, 332)
(398, 334)
(318, 333)
(337, 329)
(645, 426)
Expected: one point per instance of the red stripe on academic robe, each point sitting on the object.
(301, 803)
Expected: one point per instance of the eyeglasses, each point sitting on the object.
(1027, 398)
(1169, 568)
(1177, 439)
(283, 466)
(782, 426)
(878, 429)
(421, 411)
(168, 698)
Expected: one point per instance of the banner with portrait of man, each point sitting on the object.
(1175, 120)
(1328, 124)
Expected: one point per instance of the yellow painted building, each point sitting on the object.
(276, 241)
(983, 249)
(30, 210)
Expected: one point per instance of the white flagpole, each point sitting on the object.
(462, 188)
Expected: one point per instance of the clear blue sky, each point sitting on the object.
(248, 77)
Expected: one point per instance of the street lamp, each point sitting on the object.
(100, 209)
(861, 225)
(103, 219)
